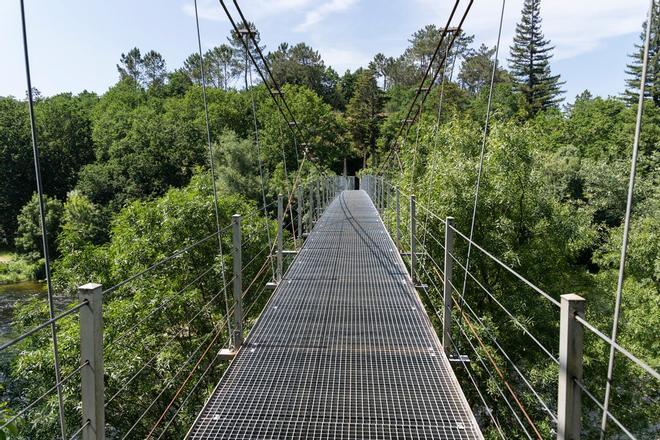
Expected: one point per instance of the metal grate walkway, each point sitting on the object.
(344, 349)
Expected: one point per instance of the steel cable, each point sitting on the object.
(42, 222)
(211, 162)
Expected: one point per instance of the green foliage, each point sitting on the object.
(551, 206)
(302, 65)
(363, 114)
(14, 269)
(29, 236)
(323, 129)
(477, 69)
(64, 138)
(165, 315)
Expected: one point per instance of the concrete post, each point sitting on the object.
(413, 241)
(449, 269)
(237, 257)
(91, 351)
(569, 405)
(280, 228)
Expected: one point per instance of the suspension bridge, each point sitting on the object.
(364, 335)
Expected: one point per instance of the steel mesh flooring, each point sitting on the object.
(344, 349)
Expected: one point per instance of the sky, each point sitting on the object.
(75, 45)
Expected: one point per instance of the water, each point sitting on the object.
(15, 294)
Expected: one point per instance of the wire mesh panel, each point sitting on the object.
(344, 349)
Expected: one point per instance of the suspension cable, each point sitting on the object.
(626, 224)
(435, 135)
(483, 151)
(212, 165)
(408, 121)
(261, 171)
(42, 219)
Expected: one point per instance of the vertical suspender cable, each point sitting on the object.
(436, 129)
(261, 171)
(212, 166)
(626, 224)
(482, 153)
(42, 219)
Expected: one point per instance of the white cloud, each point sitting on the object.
(573, 27)
(316, 15)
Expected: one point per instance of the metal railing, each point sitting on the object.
(428, 242)
(95, 381)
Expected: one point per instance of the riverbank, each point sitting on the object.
(14, 269)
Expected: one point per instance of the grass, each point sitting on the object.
(14, 269)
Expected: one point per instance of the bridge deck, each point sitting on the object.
(343, 350)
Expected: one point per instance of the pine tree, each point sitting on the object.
(530, 61)
(634, 70)
(363, 114)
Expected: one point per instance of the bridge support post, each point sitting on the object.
(91, 352)
(280, 227)
(300, 214)
(310, 219)
(449, 269)
(237, 258)
(319, 199)
(382, 195)
(398, 218)
(569, 401)
(413, 240)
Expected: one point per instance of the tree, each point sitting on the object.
(530, 61)
(477, 69)
(217, 63)
(363, 114)
(192, 66)
(302, 65)
(28, 239)
(634, 69)
(240, 58)
(382, 66)
(424, 43)
(217, 67)
(82, 224)
(155, 72)
(131, 65)
(64, 128)
(148, 71)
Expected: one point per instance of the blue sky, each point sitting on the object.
(75, 45)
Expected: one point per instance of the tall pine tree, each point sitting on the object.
(634, 70)
(530, 61)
